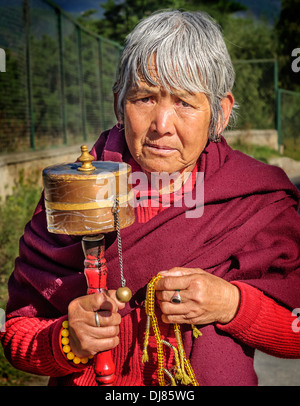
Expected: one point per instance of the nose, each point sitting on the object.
(163, 120)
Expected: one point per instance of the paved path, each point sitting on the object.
(273, 371)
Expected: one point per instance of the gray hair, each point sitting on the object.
(189, 53)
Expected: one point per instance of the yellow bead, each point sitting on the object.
(65, 341)
(84, 360)
(76, 360)
(65, 324)
(91, 356)
(65, 332)
(66, 348)
(70, 355)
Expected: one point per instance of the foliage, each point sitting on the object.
(261, 153)
(119, 18)
(15, 212)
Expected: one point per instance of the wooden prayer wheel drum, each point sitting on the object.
(80, 197)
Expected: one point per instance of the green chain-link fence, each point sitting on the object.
(255, 91)
(288, 123)
(57, 88)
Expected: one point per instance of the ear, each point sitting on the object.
(227, 105)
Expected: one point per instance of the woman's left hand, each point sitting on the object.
(206, 298)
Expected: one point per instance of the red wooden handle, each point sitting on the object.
(96, 275)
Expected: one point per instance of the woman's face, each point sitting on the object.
(165, 132)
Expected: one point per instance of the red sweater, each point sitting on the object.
(32, 344)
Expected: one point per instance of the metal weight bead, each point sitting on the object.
(124, 294)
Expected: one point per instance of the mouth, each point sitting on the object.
(160, 149)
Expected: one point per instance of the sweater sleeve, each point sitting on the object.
(263, 324)
(32, 345)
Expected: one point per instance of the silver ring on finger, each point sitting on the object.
(176, 298)
(97, 319)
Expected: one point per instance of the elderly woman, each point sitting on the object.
(229, 264)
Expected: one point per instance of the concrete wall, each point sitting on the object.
(32, 163)
(266, 138)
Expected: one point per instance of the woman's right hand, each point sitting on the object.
(86, 338)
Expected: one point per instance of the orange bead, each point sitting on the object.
(76, 360)
(65, 341)
(65, 332)
(65, 324)
(70, 356)
(66, 348)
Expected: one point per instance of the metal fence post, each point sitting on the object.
(26, 22)
(103, 126)
(62, 75)
(278, 118)
(277, 112)
(83, 112)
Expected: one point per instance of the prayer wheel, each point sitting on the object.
(85, 198)
(80, 196)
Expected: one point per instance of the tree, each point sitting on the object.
(120, 18)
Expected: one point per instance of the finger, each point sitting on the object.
(105, 344)
(167, 295)
(86, 344)
(169, 309)
(100, 333)
(105, 318)
(172, 283)
(108, 303)
(180, 271)
(92, 302)
(113, 296)
(180, 319)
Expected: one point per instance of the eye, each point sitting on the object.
(144, 99)
(184, 104)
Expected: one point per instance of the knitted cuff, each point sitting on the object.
(249, 308)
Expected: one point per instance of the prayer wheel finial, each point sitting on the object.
(86, 160)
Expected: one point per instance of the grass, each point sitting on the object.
(261, 153)
(15, 212)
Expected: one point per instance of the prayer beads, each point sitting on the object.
(184, 373)
(65, 347)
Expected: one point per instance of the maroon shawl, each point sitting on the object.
(249, 231)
